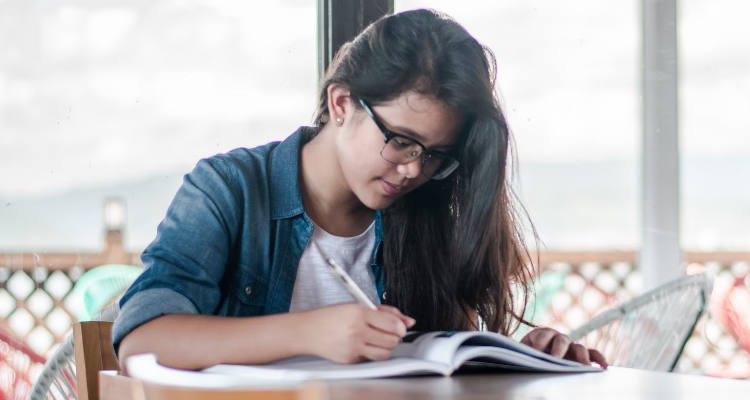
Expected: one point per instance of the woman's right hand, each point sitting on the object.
(351, 332)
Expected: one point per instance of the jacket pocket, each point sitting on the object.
(247, 293)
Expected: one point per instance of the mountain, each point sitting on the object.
(574, 206)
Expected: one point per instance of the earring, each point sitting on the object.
(339, 121)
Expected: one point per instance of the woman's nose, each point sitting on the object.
(410, 169)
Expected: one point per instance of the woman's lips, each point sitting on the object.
(391, 189)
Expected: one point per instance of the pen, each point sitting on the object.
(349, 284)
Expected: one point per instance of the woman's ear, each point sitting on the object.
(340, 106)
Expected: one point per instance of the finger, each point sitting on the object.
(408, 321)
(391, 309)
(386, 322)
(353, 359)
(598, 358)
(559, 345)
(376, 353)
(577, 352)
(377, 338)
(539, 338)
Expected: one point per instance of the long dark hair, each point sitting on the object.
(453, 248)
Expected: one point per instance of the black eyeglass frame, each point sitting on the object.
(449, 164)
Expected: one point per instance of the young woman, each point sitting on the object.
(402, 181)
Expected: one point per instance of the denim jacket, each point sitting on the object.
(231, 241)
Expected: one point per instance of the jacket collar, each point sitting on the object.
(286, 199)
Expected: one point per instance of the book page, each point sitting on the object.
(318, 368)
(502, 358)
(438, 347)
(146, 368)
(447, 348)
(497, 340)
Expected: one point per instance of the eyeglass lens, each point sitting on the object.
(400, 150)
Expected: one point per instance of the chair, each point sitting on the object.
(730, 307)
(18, 362)
(94, 354)
(545, 287)
(91, 344)
(651, 330)
(95, 293)
(59, 378)
(100, 286)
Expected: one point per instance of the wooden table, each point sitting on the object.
(615, 383)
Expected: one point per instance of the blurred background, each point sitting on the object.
(112, 102)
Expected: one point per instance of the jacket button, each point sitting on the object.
(248, 290)
(384, 295)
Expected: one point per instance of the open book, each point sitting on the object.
(419, 353)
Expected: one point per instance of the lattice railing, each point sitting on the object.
(35, 297)
(19, 366)
(584, 284)
(713, 349)
(35, 292)
(33, 304)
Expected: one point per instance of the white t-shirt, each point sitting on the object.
(315, 286)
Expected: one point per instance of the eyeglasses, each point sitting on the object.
(400, 149)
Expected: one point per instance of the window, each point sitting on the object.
(714, 124)
(568, 78)
(122, 98)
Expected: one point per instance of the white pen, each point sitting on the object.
(349, 284)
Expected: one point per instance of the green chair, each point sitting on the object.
(545, 287)
(100, 286)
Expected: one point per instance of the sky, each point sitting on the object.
(87, 89)
(94, 93)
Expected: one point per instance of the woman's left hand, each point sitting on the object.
(555, 343)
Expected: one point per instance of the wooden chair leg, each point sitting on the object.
(93, 353)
